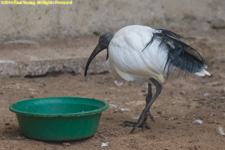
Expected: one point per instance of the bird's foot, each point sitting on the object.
(142, 119)
(134, 124)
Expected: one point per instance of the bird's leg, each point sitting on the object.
(146, 110)
(148, 98)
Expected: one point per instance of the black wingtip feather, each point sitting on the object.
(180, 55)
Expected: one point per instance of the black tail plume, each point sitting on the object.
(180, 55)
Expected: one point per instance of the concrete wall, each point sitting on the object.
(40, 22)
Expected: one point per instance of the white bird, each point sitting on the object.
(143, 54)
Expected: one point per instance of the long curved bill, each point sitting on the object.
(97, 50)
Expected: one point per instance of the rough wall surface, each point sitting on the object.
(40, 22)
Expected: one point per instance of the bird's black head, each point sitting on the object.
(104, 40)
(103, 43)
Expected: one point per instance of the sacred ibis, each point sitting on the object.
(143, 54)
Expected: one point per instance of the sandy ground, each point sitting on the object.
(182, 101)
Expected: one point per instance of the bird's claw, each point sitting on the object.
(142, 119)
(141, 123)
(134, 125)
(129, 123)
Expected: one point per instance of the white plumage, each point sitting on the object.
(129, 62)
(142, 54)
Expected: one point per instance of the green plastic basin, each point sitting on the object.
(59, 118)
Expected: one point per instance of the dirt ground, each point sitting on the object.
(182, 101)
